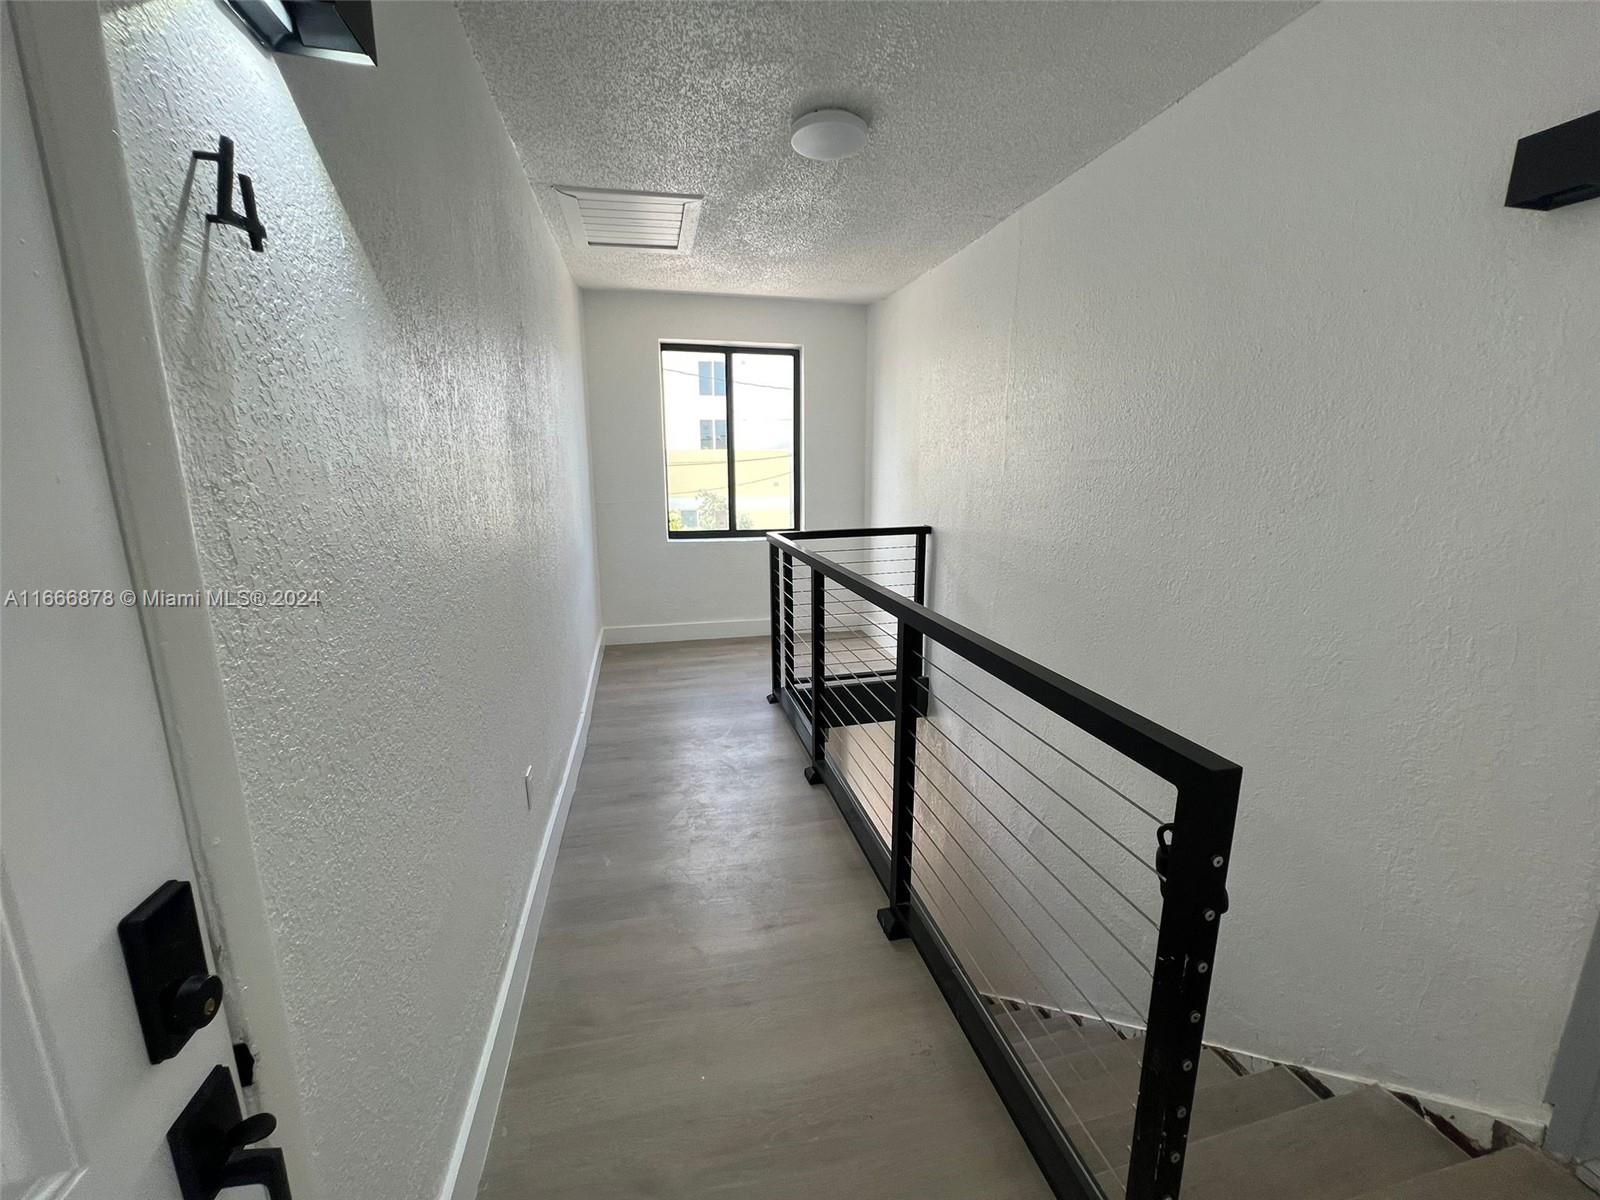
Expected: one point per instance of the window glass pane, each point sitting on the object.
(763, 439)
(697, 455)
(713, 378)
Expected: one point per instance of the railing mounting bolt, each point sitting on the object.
(1194, 1018)
(1216, 861)
(1176, 1157)
(1188, 1064)
(1203, 968)
(1211, 914)
(1182, 1112)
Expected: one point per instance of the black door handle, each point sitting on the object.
(258, 1166)
(210, 1143)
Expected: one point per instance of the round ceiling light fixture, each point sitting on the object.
(828, 134)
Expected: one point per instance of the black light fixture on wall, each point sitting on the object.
(1557, 166)
(336, 29)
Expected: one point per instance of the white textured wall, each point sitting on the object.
(645, 579)
(386, 405)
(1272, 423)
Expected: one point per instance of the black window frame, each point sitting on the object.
(727, 352)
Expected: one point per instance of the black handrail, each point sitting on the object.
(796, 535)
(1170, 755)
(781, 583)
(1191, 857)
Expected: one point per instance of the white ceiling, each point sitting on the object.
(976, 108)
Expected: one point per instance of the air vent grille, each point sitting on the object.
(655, 221)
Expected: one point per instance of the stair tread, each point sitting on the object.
(1520, 1172)
(1066, 1061)
(1241, 1100)
(1115, 1089)
(1059, 1043)
(1020, 1025)
(1338, 1149)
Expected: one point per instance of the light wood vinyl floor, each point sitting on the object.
(712, 1009)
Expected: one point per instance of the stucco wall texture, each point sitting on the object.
(387, 405)
(1274, 424)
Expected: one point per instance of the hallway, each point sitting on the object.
(1145, 452)
(713, 1009)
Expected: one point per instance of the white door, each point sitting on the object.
(90, 823)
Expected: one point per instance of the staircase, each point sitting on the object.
(1040, 842)
(1263, 1136)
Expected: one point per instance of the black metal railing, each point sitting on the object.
(1059, 861)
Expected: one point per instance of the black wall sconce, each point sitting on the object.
(1557, 166)
(225, 214)
(336, 29)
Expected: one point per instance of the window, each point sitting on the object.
(713, 378)
(713, 434)
(730, 417)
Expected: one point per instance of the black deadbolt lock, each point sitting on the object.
(173, 991)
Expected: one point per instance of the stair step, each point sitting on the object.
(1029, 1025)
(1058, 1044)
(1338, 1149)
(1113, 1089)
(1056, 1039)
(1029, 1028)
(1026, 1025)
(1227, 1105)
(1521, 1172)
(1067, 1061)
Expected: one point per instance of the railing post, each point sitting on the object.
(772, 621)
(1193, 866)
(814, 771)
(919, 586)
(907, 685)
(788, 619)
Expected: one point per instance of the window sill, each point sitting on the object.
(718, 536)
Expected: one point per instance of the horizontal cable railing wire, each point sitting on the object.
(1058, 859)
(853, 646)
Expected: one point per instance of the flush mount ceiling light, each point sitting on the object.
(828, 134)
(336, 29)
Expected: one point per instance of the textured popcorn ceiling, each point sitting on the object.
(976, 108)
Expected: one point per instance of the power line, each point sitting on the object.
(740, 457)
(775, 387)
(746, 482)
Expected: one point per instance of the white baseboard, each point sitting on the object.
(684, 631)
(483, 1104)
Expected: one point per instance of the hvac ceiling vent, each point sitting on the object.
(653, 221)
